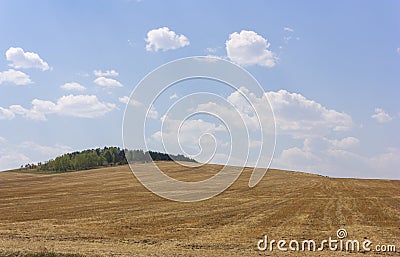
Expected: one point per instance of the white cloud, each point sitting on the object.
(157, 136)
(288, 29)
(83, 106)
(296, 158)
(345, 143)
(32, 114)
(248, 48)
(153, 113)
(318, 143)
(301, 117)
(83, 74)
(287, 39)
(230, 116)
(107, 73)
(6, 114)
(321, 156)
(194, 136)
(107, 82)
(189, 129)
(165, 39)
(211, 50)
(124, 99)
(398, 50)
(295, 115)
(13, 155)
(381, 116)
(174, 96)
(12, 160)
(21, 59)
(45, 150)
(73, 86)
(133, 102)
(15, 77)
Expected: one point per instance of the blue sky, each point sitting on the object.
(324, 64)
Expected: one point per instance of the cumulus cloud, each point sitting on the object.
(345, 143)
(12, 160)
(16, 77)
(296, 158)
(15, 154)
(73, 86)
(288, 29)
(211, 50)
(174, 96)
(44, 150)
(165, 39)
(194, 136)
(33, 113)
(107, 73)
(295, 115)
(287, 39)
(6, 114)
(230, 116)
(152, 113)
(298, 116)
(381, 116)
(107, 82)
(248, 48)
(22, 60)
(83, 106)
(124, 99)
(334, 158)
(318, 143)
(133, 102)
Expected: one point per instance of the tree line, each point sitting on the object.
(108, 156)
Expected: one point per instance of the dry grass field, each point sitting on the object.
(107, 212)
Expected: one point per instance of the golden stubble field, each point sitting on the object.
(107, 212)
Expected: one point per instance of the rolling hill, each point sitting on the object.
(107, 212)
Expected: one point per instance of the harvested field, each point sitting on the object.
(107, 212)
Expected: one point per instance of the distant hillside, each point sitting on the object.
(94, 158)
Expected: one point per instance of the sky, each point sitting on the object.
(329, 69)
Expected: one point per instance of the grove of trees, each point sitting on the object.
(108, 156)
